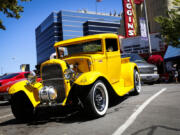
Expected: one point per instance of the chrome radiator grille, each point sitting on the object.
(52, 76)
(148, 70)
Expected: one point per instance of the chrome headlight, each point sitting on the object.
(32, 77)
(47, 93)
(68, 74)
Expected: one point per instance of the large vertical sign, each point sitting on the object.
(143, 28)
(128, 18)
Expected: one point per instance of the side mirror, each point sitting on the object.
(53, 56)
(32, 77)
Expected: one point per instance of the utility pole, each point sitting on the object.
(147, 27)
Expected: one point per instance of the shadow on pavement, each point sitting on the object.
(10, 122)
(151, 130)
(118, 100)
(65, 115)
(47, 116)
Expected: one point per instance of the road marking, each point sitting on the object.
(5, 116)
(133, 117)
(2, 102)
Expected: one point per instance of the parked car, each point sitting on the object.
(148, 72)
(7, 80)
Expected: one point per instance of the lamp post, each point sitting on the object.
(147, 28)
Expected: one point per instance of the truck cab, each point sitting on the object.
(86, 71)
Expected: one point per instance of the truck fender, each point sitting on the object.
(88, 78)
(127, 72)
(31, 91)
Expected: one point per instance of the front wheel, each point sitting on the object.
(137, 83)
(21, 107)
(97, 100)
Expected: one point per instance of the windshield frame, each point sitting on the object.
(78, 43)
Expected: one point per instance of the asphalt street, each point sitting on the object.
(156, 111)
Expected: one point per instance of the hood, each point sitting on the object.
(145, 64)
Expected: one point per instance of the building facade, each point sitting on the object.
(68, 24)
(93, 27)
(47, 33)
(154, 8)
(157, 8)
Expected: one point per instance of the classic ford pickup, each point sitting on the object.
(86, 72)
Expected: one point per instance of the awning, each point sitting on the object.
(172, 53)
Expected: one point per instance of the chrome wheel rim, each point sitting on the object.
(99, 98)
(137, 82)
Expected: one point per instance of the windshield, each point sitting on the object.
(9, 76)
(133, 57)
(85, 47)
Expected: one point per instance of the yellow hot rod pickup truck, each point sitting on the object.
(86, 71)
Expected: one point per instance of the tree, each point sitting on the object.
(11, 9)
(170, 25)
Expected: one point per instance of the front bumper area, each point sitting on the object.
(4, 96)
(149, 77)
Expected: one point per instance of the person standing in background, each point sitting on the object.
(175, 72)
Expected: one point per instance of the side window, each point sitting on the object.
(111, 45)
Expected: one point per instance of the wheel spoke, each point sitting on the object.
(100, 99)
(137, 80)
(137, 83)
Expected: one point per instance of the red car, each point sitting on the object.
(7, 80)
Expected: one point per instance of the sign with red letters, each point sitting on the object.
(128, 18)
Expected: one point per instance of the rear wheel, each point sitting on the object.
(137, 83)
(21, 107)
(97, 100)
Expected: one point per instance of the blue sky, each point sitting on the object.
(17, 42)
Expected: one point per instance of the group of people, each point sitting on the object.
(168, 71)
